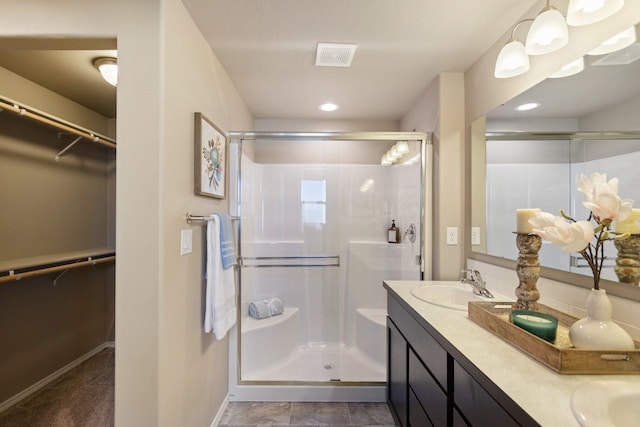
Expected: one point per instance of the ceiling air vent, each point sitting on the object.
(621, 57)
(335, 54)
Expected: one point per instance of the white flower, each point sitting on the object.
(543, 219)
(573, 237)
(601, 197)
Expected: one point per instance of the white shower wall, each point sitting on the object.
(360, 202)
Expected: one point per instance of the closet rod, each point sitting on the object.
(66, 266)
(190, 218)
(55, 122)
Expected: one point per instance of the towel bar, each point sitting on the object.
(190, 218)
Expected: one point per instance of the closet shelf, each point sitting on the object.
(34, 114)
(36, 266)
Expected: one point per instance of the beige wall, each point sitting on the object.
(167, 371)
(440, 109)
(193, 368)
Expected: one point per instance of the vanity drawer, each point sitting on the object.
(417, 416)
(424, 345)
(426, 389)
(475, 403)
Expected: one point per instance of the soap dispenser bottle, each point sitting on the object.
(393, 233)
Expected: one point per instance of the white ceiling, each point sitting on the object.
(268, 48)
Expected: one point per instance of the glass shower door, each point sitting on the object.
(313, 234)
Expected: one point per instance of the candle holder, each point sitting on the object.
(528, 270)
(627, 266)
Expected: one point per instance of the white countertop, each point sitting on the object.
(542, 393)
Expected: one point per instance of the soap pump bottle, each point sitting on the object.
(393, 233)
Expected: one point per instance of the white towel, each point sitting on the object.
(220, 303)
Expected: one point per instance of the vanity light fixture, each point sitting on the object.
(548, 33)
(585, 12)
(108, 68)
(402, 152)
(328, 106)
(512, 59)
(617, 42)
(570, 69)
(528, 106)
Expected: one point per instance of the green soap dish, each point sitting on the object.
(540, 324)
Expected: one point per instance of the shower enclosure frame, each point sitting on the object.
(245, 390)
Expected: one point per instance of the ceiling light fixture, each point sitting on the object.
(328, 106)
(585, 12)
(570, 69)
(548, 33)
(617, 42)
(512, 59)
(528, 106)
(108, 68)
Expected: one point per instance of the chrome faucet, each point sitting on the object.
(473, 278)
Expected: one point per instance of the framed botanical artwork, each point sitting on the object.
(210, 151)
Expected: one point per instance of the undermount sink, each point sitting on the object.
(605, 403)
(455, 295)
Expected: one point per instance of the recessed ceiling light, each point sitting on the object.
(329, 106)
(527, 106)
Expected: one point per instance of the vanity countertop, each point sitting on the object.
(542, 393)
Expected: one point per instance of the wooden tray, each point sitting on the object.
(559, 356)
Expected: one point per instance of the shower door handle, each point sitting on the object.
(291, 261)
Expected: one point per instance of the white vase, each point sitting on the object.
(597, 330)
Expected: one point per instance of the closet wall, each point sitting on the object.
(50, 208)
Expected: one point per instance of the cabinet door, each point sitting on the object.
(475, 403)
(397, 383)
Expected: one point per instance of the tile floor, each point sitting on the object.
(247, 414)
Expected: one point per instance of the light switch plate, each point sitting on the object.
(452, 235)
(475, 236)
(186, 242)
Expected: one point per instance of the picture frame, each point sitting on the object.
(210, 154)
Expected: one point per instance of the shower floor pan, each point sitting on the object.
(325, 362)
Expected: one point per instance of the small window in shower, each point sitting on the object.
(313, 195)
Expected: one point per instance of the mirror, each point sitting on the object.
(531, 159)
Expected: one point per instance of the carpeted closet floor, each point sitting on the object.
(81, 397)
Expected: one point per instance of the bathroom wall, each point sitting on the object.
(439, 110)
(51, 207)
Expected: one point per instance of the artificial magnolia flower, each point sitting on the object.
(573, 237)
(601, 198)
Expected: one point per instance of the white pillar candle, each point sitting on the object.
(629, 225)
(522, 220)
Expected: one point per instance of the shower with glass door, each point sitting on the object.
(314, 211)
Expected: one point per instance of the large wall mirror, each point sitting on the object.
(584, 123)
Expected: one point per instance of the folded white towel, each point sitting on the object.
(220, 299)
(266, 308)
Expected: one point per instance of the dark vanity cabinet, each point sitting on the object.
(432, 385)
